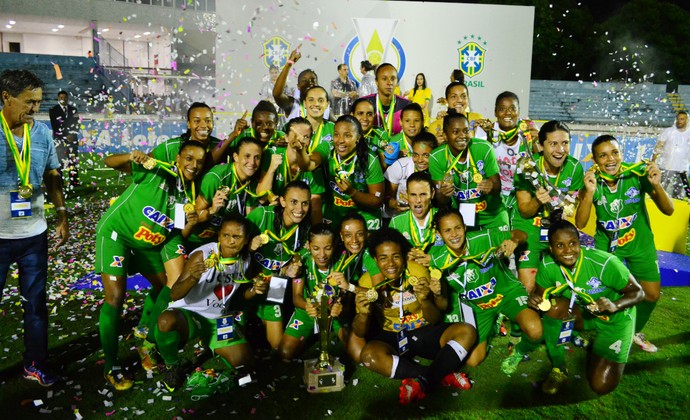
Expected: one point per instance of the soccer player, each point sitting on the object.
(617, 190)
(130, 235)
(472, 266)
(411, 323)
(280, 233)
(585, 289)
(558, 173)
(207, 300)
(465, 172)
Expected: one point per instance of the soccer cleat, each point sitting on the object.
(174, 377)
(119, 380)
(502, 330)
(641, 340)
(510, 363)
(141, 331)
(555, 381)
(43, 377)
(457, 380)
(410, 390)
(147, 353)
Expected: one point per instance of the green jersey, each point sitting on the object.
(477, 277)
(340, 203)
(623, 225)
(422, 237)
(142, 217)
(377, 140)
(278, 137)
(480, 160)
(570, 178)
(322, 139)
(596, 274)
(169, 149)
(281, 244)
(284, 175)
(404, 143)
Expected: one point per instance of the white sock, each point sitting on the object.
(459, 349)
(395, 366)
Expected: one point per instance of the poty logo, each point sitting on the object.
(628, 237)
(492, 303)
(144, 234)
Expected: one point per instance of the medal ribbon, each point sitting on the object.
(283, 238)
(336, 164)
(455, 161)
(21, 159)
(405, 144)
(244, 186)
(429, 236)
(317, 278)
(571, 279)
(184, 187)
(452, 258)
(507, 136)
(638, 169)
(316, 139)
(166, 166)
(387, 119)
(222, 263)
(344, 262)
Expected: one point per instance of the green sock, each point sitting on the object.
(168, 346)
(644, 312)
(552, 330)
(108, 326)
(149, 302)
(161, 305)
(526, 345)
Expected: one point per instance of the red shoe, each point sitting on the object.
(410, 390)
(457, 380)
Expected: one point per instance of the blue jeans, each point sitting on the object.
(31, 255)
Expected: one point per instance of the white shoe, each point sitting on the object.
(645, 344)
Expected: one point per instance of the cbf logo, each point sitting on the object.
(374, 42)
(472, 55)
(276, 51)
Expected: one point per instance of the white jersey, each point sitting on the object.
(676, 149)
(507, 157)
(214, 289)
(397, 174)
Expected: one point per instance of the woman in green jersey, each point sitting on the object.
(617, 190)
(130, 235)
(280, 233)
(585, 289)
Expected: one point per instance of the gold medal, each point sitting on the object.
(224, 189)
(477, 178)
(264, 239)
(149, 163)
(435, 273)
(210, 262)
(545, 305)
(188, 208)
(412, 280)
(523, 126)
(26, 191)
(331, 280)
(372, 295)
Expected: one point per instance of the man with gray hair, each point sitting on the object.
(673, 148)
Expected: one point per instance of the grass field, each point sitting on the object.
(653, 385)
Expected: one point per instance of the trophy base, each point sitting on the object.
(320, 380)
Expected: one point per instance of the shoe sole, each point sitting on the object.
(31, 377)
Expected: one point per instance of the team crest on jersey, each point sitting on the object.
(632, 192)
(616, 205)
(524, 256)
(471, 276)
(595, 286)
(117, 261)
(296, 323)
(407, 235)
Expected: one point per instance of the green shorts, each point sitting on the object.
(499, 222)
(510, 203)
(613, 340)
(174, 247)
(511, 304)
(529, 253)
(644, 267)
(205, 329)
(301, 325)
(114, 257)
(269, 311)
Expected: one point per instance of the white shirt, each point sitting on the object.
(676, 149)
(397, 174)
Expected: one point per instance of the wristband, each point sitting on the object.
(290, 62)
(351, 288)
